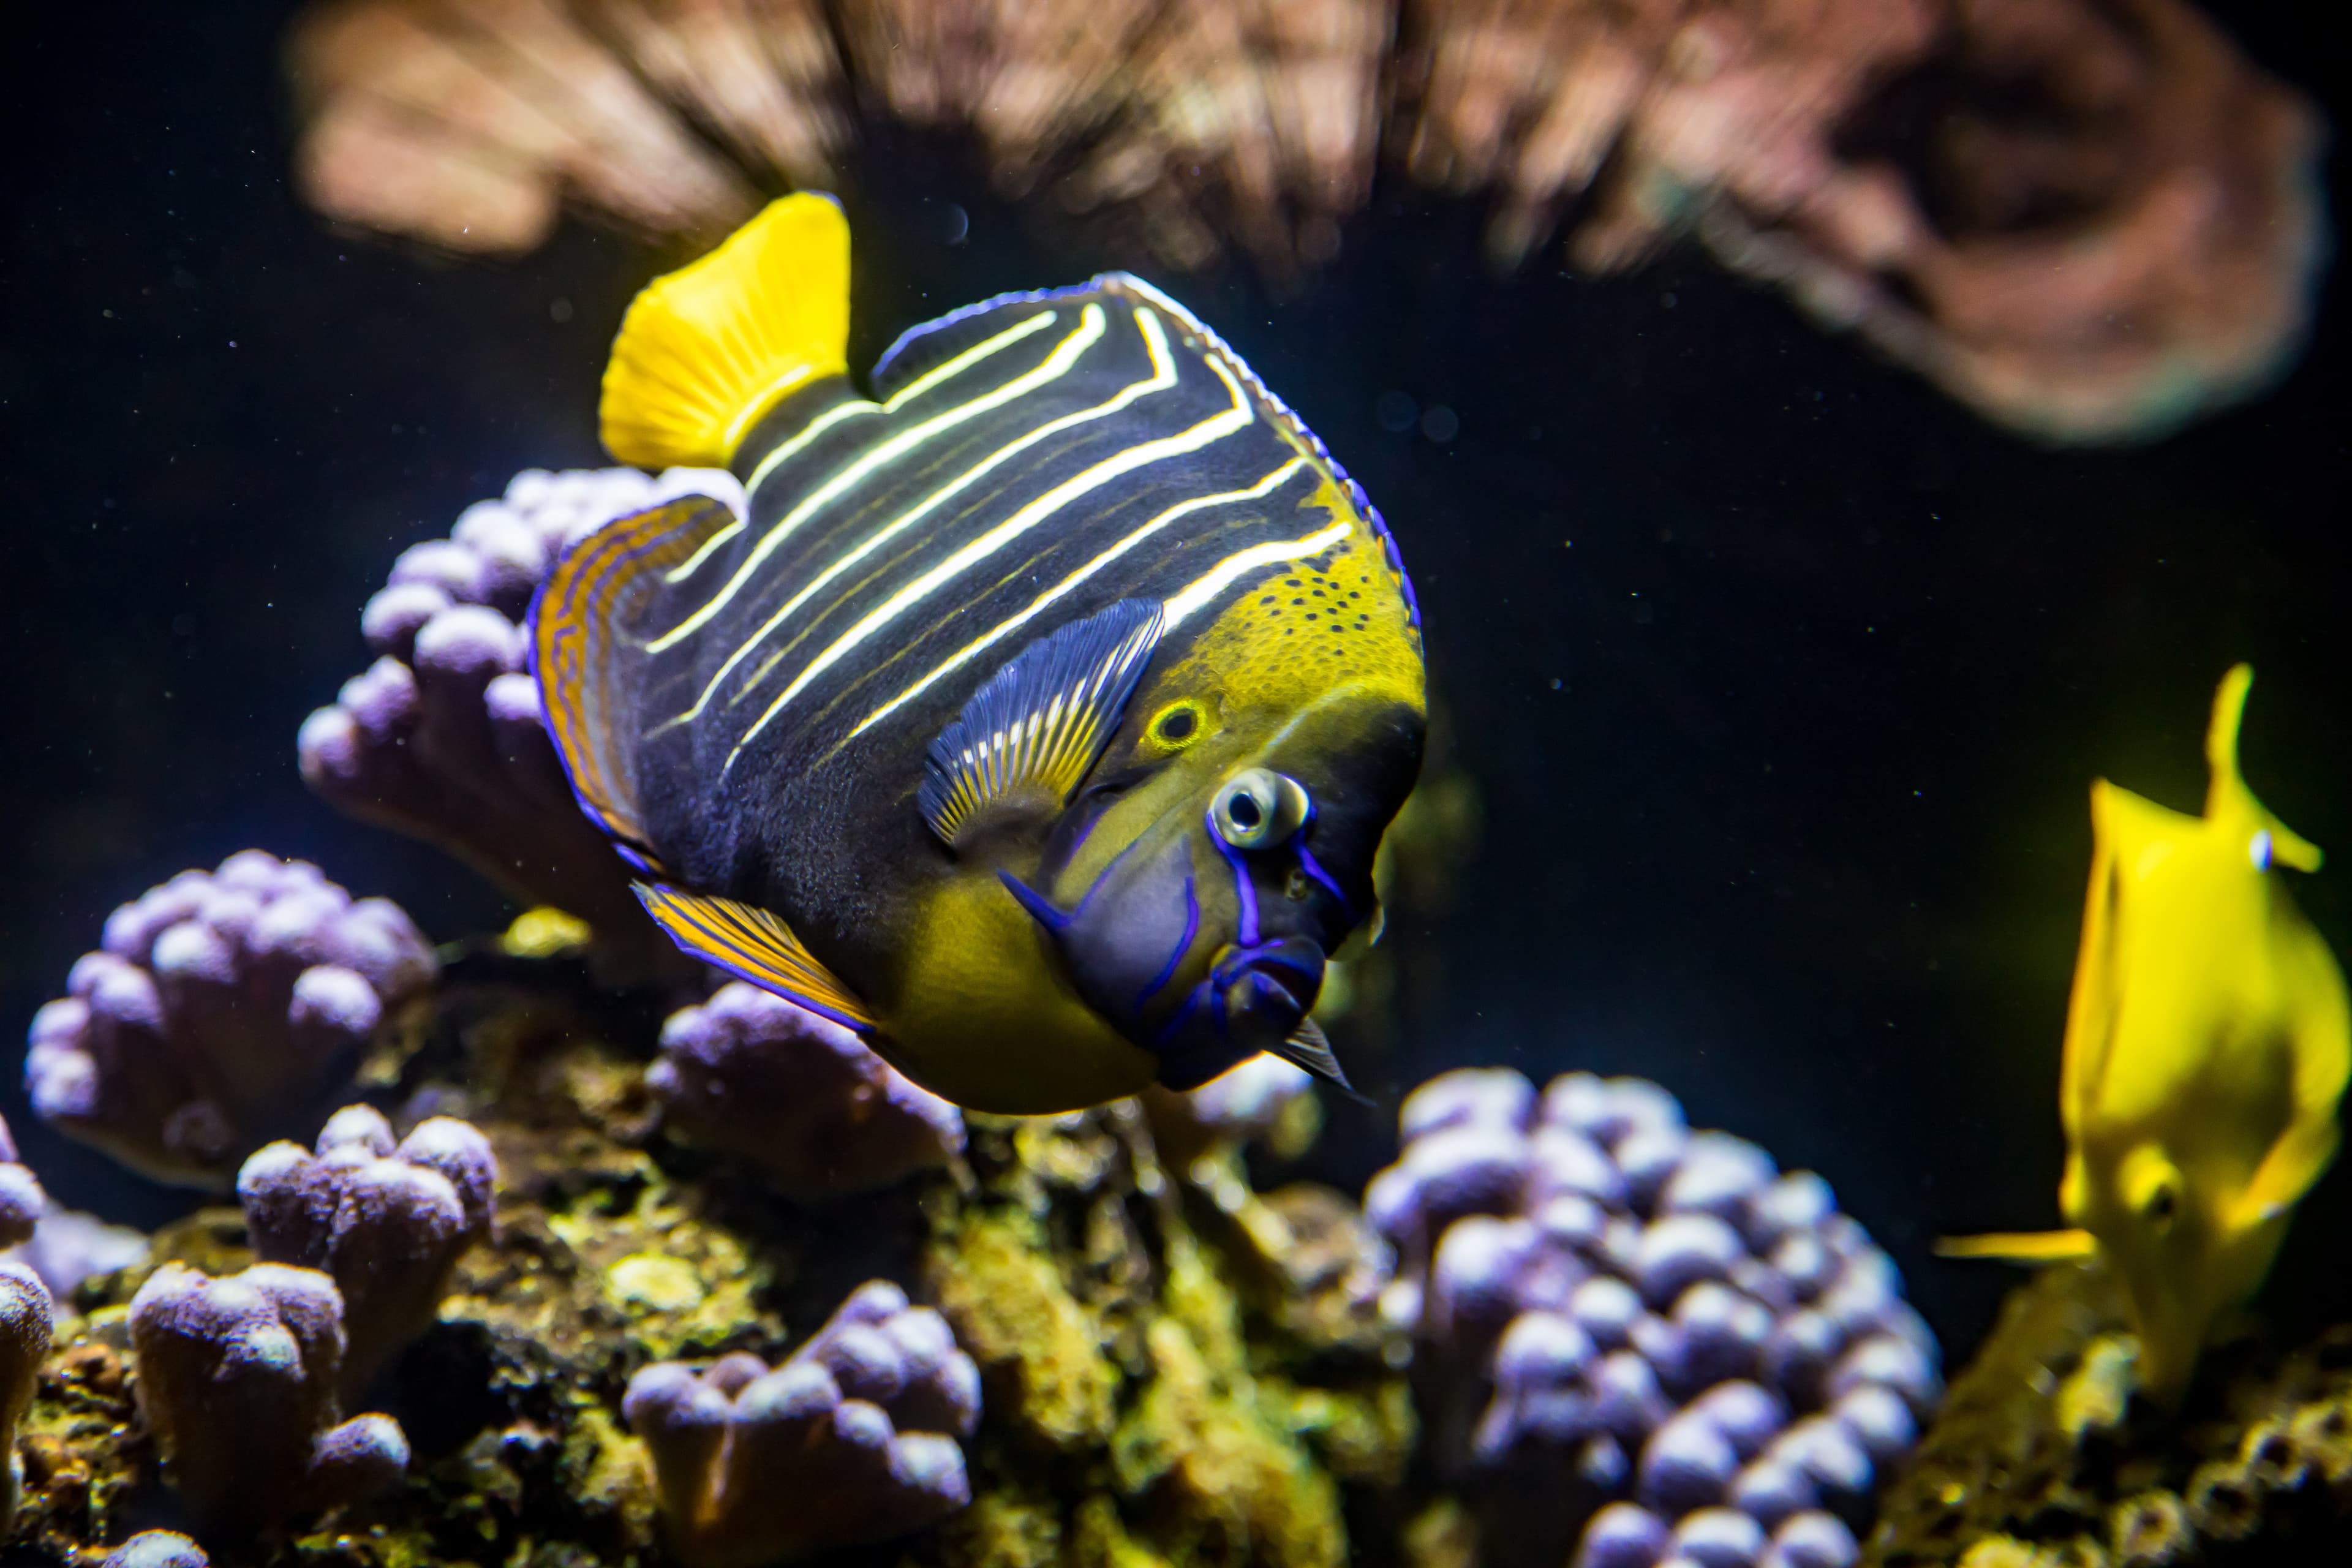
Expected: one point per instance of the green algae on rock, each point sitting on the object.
(2043, 1457)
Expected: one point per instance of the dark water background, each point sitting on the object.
(1783, 759)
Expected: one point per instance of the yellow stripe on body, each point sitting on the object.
(1037, 606)
(1223, 575)
(1239, 417)
(1163, 376)
(852, 472)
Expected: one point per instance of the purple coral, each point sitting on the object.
(222, 1010)
(157, 1549)
(1247, 1101)
(749, 1073)
(851, 1440)
(442, 739)
(386, 1221)
(21, 1197)
(237, 1378)
(26, 1322)
(1257, 1101)
(68, 1247)
(1638, 1342)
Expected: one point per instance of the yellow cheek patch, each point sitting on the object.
(1333, 620)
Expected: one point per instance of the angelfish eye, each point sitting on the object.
(2163, 1205)
(1259, 809)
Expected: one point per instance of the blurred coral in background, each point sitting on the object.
(2088, 221)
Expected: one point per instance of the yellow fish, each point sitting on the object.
(2206, 1051)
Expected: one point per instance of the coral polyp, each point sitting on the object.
(220, 1011)
(237, 1379)
(850, 1440)
(1636, 1342)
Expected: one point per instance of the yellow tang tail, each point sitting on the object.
(2020, 1245)
(705, 351)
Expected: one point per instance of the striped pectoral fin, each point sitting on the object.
(752, 944)
(2022, 1247)
(1039, 723)
(585, 653)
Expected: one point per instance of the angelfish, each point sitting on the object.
(1041, 717)
(2206, 1052)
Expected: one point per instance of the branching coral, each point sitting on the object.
(386, 1221)
(1153, 1393)
(68, 1247)
(21, 1197)
(60, 1246)
(1640, 1336)
(441, 738)
(798, 1095)
(26, 1322)
(237, 1379)
(850, 1440)
(2088, 220)
(1264, 1097)
(157, 1549)
(221, 1010)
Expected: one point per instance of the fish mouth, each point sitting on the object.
(1267, 993)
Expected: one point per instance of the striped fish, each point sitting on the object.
(1040, 717)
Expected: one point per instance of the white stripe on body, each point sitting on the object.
(1238, 416)
(1220, 577)
(1005, 629)
(850, 473)
(1163, 376)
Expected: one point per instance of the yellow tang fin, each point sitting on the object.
(752, 944)
(2227, 795)
(2020, 1246)
(705, 351)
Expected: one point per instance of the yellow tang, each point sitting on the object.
(1041, 717)
(2206, 1052)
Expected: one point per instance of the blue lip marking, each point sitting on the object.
(1040, 908)
(1168, 1030)
(1314, 868)
(1243, 889)
(1183, 945)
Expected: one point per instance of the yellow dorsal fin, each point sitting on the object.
(2020, 1246)
(705, 351)
(2227, 794)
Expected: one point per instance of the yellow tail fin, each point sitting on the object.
(2020, 1246)
(705, 351)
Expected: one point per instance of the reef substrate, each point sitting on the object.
(2043, 1458)
(1164, 1380)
